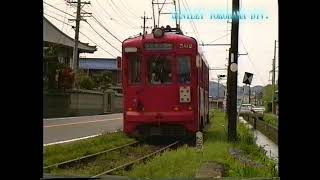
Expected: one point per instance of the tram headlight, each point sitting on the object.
(158, 32)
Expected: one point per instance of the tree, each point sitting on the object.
(51, 60)
(86, 82)
(102, 81)
(267, 96)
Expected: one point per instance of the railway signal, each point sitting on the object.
(247, 78)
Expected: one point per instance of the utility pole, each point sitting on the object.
(218, 92)
(233, 74)
(144, 23)
(219, 78)
(249, 95)
(74, 63)
(273, 77)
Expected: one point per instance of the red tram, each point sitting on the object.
(165, 85)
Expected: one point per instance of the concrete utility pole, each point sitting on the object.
(219, 78)
(75, 62)
(233, 74)
(218, 92)
(249, 94)
(273, 77)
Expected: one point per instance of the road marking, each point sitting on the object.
(64, 118)
(57, 125)
(71, 140)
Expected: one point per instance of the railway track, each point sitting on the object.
(137, 160)
(69, 162)
(124, 164)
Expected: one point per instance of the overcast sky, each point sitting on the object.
(123, 19)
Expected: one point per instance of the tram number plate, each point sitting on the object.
(185, 96)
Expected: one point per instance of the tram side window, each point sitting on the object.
(160, 70)
(184, 69)
(135, 69)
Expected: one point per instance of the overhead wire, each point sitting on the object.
(106, 29)
(121, 11)
(58, 9)
(186, 7)
(106, 12)
(97, 44)
(103, 37)
(122, 18)
(259, 75)
(129, 9)
(81, 33)
(220, 38)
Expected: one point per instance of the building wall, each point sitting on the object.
(79, 103)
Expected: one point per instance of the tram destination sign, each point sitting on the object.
(158, 46)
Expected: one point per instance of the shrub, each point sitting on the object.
(86, 83)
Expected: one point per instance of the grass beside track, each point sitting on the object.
(104, 162)
(62, 152)
(271, 119)
(185, 161)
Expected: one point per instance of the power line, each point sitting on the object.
(220, 38)
(106, 29)
(97, 44)
(97, 21)
(64, 18)
(103, 38)
(104, 10)
(58, 9)
(109, 16)
(54, 13)
(186, 7)
(57, 19)
(128, 9)
(259, 75)
(81, 33)
(120, 10)
(121, 16)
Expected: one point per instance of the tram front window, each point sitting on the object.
(184, 69)
(160, 70)
(135, 69)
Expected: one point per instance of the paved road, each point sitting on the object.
(56, 130)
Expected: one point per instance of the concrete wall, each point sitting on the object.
(80, 103)
(117, 103)
(56, 105)
(85, 102)
(266, 129)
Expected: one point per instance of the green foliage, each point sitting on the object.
(271, 119)
(267, 93)
(267, 97)
(102, 81)
(54, 77)
(185, 161)
(63, 152)
(86, 82)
